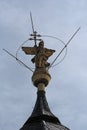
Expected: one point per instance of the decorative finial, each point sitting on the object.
(41, 76)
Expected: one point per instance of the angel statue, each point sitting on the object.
(41, 55)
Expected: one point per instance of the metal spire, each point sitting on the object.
(34, 35)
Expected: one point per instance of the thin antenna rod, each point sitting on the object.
(18, 60)
(64, 47)
(34, 32)
(32, 22)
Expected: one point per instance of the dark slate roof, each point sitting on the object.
(43, 125)
(42, 118)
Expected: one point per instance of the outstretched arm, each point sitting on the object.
(49, 52)
(29, 50)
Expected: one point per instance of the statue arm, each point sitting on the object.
(49, 52)
(29, 50)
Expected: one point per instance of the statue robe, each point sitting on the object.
(41, 55)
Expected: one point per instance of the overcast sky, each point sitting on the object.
(67, 90)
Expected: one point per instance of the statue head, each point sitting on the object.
(41, 44)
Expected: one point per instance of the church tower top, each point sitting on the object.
(41, 118)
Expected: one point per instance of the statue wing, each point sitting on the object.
(49, 52)
(29, 50)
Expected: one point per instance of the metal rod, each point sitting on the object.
(32, 22)
(34, 32)
(18, 60)
(64, 47)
